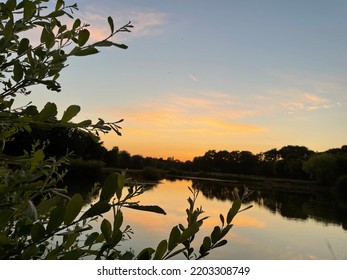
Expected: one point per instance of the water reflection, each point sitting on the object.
(281, 225)
(321, 206)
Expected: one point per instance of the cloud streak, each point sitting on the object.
(205, 120)
(186, 118)
(295, 101)
(218, 113)
(146, 22)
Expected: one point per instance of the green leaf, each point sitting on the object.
(175, 253)
(31, 111)
(174, 237)
(188, 232)
(85, 123)
(73, 255)
(106, 230)
(29, 252)
(118, 220)
(83, 37)
(206, 243)
(70, 113)
(248, 207)
(106, 43)
(31, 211)
(76, 24)
(113, 184)
(29, 10)
(53, 255)
(233, 210)
(148, 208)
(46, 205)
(111, 24)
(97, 209)
(37, 232)
(215, 234)
(116, 237)
(109, 187)
(161, 250)
(47, 37)
(23, 46)
(5, 216)
(8, 30)
(71, 239)
(84, 52)
(120, 185)
(11, 4)
(221, 217)
(3, 45)
(103, 43)
(91, 239)
(56, 218)
(145, 254)
(36, 158)
(48, 112)
(4, 240)
(220, 243)
(59, 4)
(17, 71)
(225, 231)
(73, 208)
(121, 46)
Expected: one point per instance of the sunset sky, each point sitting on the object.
(227, 74)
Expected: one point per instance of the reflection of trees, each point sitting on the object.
(320, 206)
(215, 189)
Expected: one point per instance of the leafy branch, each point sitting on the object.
(26, 65)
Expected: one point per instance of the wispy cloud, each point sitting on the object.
(192, 116)
(294, 101)
(220, 113)
(146, 22)
(212, 119)
(310, 91)
(193, 77)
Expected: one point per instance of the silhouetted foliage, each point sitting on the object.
(292, 162)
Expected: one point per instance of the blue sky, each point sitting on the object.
(199, 75)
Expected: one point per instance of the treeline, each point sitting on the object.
(293, 162)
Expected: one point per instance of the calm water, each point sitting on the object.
(280, 225)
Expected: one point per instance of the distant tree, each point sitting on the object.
(221, 161)
(294, 152)
(205, 162)
(137, 162)
(271, 155)
(267, 162)
(124, 159)
(111, 157)
(290, 162)
(341, 159)
(322, 168)
(248, 163)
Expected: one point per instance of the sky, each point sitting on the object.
(224, 75)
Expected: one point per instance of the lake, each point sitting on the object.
(281, 225)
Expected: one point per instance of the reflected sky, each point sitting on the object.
(257, 233)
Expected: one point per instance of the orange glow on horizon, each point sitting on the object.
(178, 150)
(184, 127)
